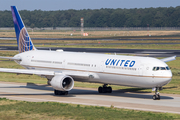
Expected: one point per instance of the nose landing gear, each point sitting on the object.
(156, 96)
(105, 89)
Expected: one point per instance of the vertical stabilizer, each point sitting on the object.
(23, 39)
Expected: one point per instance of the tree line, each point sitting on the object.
(155, 17)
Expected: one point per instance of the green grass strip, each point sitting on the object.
(10, 109)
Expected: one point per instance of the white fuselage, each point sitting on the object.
(100, 68)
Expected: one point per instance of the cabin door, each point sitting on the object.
(102, 66)
(28, 61)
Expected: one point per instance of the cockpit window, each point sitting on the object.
(160, 68)
(157, 68)
(167, 68)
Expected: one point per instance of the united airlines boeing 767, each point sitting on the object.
(63, 68)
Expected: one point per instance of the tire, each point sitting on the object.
(109, 90)
(104, 89)
(158, 97)
(154, 97)
(57, 92)
(100, 89)
(66, 93)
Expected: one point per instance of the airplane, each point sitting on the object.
(62, 68)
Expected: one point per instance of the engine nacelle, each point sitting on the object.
(62, 82)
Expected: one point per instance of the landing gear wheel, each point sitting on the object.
(100, 89)
(109, 90)
(58, 92)
(156, 96)
(55, 92)
(105, 89)
(65, 92)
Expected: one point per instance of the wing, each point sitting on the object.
(46, 73)
(169, 59)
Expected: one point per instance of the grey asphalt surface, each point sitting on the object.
(86, 96)
(138, 52)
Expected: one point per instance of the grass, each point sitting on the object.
(92, 34)
(121, 46)
(8, 53)
(10, 109)
(103, 44)
(151, 46)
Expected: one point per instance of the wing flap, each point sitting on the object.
(76, 74)
(169, 59)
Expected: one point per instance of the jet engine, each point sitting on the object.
(62, 82)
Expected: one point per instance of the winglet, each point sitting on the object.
(169, 59)
(23, 40)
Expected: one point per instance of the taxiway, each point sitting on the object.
(87, 96)
(138, 52)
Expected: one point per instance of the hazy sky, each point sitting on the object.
(84, 4)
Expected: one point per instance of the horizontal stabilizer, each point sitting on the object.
(11, 58)
(28, 72)
(169, 59)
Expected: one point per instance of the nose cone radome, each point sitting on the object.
(168, 73)
(168, 77)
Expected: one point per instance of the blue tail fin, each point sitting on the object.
(23, 40)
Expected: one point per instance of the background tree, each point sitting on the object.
(155, 17)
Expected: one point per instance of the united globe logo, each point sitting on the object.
(24, 43)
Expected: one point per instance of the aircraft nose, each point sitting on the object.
(168, 75)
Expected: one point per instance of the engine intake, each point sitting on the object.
(62, 82)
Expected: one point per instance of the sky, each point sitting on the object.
(84, 4)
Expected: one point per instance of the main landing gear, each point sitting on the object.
(57, 92)
(156, 96)
(105, 89)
